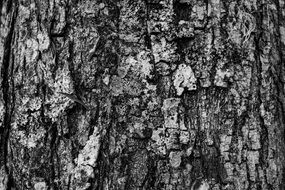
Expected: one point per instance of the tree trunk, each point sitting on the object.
(142, 94)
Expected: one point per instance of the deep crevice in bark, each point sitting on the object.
(8, 91)
(5, 91)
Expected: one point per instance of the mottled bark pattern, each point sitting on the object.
(142, 94)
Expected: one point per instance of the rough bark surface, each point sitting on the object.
(142, 94)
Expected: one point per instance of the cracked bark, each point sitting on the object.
(146, 94)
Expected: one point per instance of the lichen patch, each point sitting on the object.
(184, 78)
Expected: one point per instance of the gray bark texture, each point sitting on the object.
(142, 94)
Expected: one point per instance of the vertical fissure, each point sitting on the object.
(258, 68)
(7, 89)
(5, 81)
(280, 78)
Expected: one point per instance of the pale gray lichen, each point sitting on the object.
(225, 146)
(58, 102)
(31, 140)
(24, 13)
(3, 178)
(185, 29)
(140, 64)
(144, 62)
(187, 1)
(220, 77)
(164, 50)
(200, 11)
(282, 33)
(41, 186)
(117, 85)
(184, 78)
(2, 111)
(163, 68)
(229, 170)
(120, 86)
(252, 161)
(123, 69)
(168, 137)
(61, 19)
(172, 139)
(234, 34)
(254, 139)
(129, 24)
(170, 112)
(31, 104)
(31, 52)
(158, 136)
(87, 159)
(87, 9)
(175, 158)
(200, 185)
(137, 129)
(158, 26)
(43, 40)
(272, 171)
(83, 123)
(184, 137)
(89, 154)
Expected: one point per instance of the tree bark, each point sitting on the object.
(145, 94)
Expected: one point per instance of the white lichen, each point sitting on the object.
(2, 110)
(144, 61)
(175, 159)
(139, 64)
(170, 109)
(87, 159)
(184, 137)
(184, 78)
(32, 139)
(3, 178)
(31, 52)
(89, 154)
(282, 34)
(106, 79)
(252, 161)
(163, 50)
(158, 136)
(185, 29)
(157, 27)
(44, 41)
(58, 102)
(221, 76)
(40, 186)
